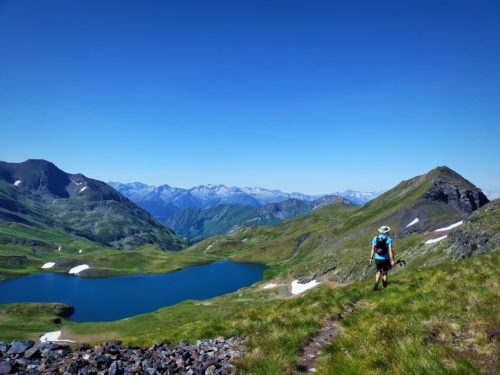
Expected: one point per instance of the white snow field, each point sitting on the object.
(450, 227)
(298, 288)
(76, 270)
(270, 286)
(435, 240)
(413, 222)
(53, 337)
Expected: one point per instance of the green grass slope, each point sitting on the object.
(197, 224)
(429, 320)
(24, 249)
(334, 241)
(37, 193)
(432, 319)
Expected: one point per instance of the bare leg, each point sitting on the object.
(384, 279)
(377, 279)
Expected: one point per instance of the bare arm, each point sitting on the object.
(372, 252)
(391, 253)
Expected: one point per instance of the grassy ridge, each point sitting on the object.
(429, 320)
(334, 240)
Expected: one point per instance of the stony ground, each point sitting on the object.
(208, 357)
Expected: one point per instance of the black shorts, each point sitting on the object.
(383, 265)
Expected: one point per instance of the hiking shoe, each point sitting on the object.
(375, 287)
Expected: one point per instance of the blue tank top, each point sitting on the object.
(388, 242)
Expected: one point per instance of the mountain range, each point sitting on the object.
(36, 195)
(199, 223)
(163, 201)
(437, 220)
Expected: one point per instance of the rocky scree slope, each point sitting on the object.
(207, 357)
(38, 194)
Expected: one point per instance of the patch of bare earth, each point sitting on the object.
(311, 350)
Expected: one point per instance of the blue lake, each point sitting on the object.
(119, 297)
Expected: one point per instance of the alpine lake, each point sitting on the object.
(120, 297)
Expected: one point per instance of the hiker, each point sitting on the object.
(382, 255)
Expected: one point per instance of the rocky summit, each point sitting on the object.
(207, 357)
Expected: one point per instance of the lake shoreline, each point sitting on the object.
(105, 299)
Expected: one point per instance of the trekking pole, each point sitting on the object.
(401, 263)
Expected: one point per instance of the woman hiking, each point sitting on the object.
(382, 254)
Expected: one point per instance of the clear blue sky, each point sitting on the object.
(311, 96)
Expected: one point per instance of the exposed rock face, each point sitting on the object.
(470, 243)
(451, 188)
(213, 356)
(479, 234)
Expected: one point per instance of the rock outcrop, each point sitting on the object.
(451, 188)
(479, 234)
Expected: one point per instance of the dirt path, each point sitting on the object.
(312, 348)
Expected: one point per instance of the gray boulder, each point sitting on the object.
(18, 347)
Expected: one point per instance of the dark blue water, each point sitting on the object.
(119, 297)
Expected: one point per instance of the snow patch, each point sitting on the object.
(449, 227)
(17, 183)
(270, 286)
(435, 240)
(53, 337)
(48, 265)
(298, 288)
(76, 270)
(80, 251)
(83, 189)
(413, 222)
(59, 248)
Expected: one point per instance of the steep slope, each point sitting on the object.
(38, 194)
(197, 224)
(334, 241)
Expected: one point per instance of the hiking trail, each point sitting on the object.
(311, 349)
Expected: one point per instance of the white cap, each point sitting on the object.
(384, 229)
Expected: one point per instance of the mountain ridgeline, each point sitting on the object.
(38, 195)
(164, 201)
(333, 241)
(199, 223)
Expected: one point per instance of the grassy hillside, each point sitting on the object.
(197, 224)
(334, 241)
(429, 320)
(24, 249)
(38, 194)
